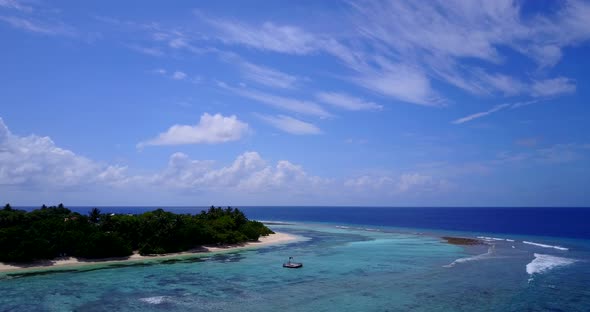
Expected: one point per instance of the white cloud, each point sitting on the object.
(401, 82)
(36, 162)
(211, 129)
(550, 34)
(291, 125)
(481, 114)
(347, 102)
(439, 36)
(552, 87)
(474, 29)
(285, 103)
(503, 83)
(249, 173)
(398, 48)
(178, 75)
(545, 55)
(268, 76)
(33, 167)
(452, 28)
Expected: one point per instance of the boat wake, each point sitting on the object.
(483, 256)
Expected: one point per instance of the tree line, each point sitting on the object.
(50, 232)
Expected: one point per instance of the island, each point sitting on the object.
(462, 240)
(56, 232)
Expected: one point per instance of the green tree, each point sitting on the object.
(55, 231)
(94, 215)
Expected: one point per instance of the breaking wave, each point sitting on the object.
(155, 300)
(543, 263)
(487, 238)
(545, 246)
(357, 228)
(483, 256)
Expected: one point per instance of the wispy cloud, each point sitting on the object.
(481, 114)
(268, 76)
(175, 75)
(528, 142)
(178, 75)
(473, 29)
(438, 36)
(552, 154)
(16, 5)
(401, 82)
(540, 90)
(211, 129)
(505, 84)
(284, 103)
(413, 182)
(153, 51)
(553, 87)
(268, 36)
(562, 153)
(402, 50)
(347, 102)
(39, 27)
(290, 124)
(399, 57)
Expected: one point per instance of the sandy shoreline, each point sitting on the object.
(277, 238)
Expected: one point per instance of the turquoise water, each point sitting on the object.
(345, 269)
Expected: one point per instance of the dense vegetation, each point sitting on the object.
(56, 231)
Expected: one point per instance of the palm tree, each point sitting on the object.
(94, 215)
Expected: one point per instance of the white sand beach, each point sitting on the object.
(272, 239)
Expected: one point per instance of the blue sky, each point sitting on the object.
(401, 103)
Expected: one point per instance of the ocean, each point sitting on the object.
(355, 259)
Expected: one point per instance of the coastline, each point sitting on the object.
(70, 262)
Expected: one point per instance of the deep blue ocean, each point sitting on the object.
(558, 222)
(355, 259)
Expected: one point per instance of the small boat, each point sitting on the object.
(292, 265)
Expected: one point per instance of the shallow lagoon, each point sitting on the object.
(345, 269)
